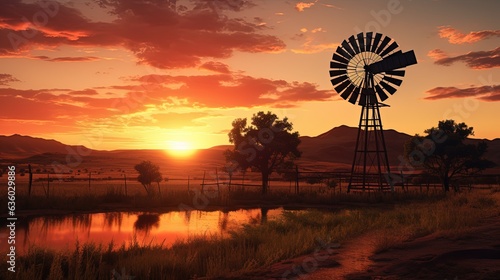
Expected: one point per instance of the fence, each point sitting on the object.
(295, 181)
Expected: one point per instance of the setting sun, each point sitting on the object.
(179, 148)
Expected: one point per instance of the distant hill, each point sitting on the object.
(19, 146)
(333, 146)
(338, 144)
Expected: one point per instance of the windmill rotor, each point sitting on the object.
(366, 69)
(368, 61)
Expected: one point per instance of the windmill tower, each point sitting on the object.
(364, 70)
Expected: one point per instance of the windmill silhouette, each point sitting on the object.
(365, 70)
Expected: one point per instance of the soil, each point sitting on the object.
(472, 254)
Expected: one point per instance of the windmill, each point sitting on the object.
(365, 70)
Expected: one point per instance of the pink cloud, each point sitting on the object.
(456, 37)
(66, 58)
(301, 6)
(474, 60)
(224, 90)
(156, 34)
(486, 93)
(6, 79)
(218, 67)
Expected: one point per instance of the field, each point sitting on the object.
(417, 209)
(259, 246)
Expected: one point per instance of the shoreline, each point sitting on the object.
(210, 208)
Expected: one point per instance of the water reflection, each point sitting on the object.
(63, 231)
(145, 222)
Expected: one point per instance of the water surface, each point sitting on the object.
(63, 231)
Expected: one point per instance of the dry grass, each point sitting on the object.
(260, 245)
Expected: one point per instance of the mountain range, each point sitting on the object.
(334, 146)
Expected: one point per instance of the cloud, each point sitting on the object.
(486, 93)
(456, 37)
(301, 6)
(309, 47)
(230, 91)
(85, 92)
(157, 35)
(6, 79)
(218, 67)
(151, 100)
(67, 58)
(474, 60)
(437, 54)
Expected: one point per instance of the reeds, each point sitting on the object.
(258, 245)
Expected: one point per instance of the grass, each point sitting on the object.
(260, 245)
(107, 197)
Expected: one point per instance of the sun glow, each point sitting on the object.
(179, 148)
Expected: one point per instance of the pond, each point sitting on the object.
(62, 232)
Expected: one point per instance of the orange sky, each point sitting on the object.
(125, 74)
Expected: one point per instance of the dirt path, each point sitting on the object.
(472, 254)
(328, 261)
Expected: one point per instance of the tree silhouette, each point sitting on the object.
(443, 152)
(148, 174)
(266, 145)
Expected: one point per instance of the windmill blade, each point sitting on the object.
(369, 37)
(394, 54)
(354, 96)
(342, 86)
(393, 80)
(348, 91)
(388, 87)
(376, 41)
(383, 44)
(361, 41)
(339, 58)
(343, 53)
(348, 48)
(334, 73)
(354, 44)
(381, 93)
(338, 80)
(400, 73)
(389, 49)
(334, 64)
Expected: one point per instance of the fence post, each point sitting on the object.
(125, 178)
(340, 184)
(31, 179)
(296, 179)
(243, 181)
(188, 183)
(203, 182)
(217, 180)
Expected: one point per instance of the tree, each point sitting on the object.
(443, 152)
(267, 145)
(148, 173)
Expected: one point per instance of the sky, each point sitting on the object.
(160, 74)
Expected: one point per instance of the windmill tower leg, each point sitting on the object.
(366, 69)
(370, 167)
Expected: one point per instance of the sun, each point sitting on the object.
(179, 148)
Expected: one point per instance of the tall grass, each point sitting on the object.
(115, 198)
(259, 245)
